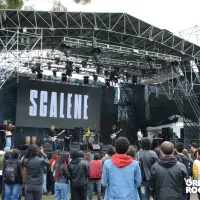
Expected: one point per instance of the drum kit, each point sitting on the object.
(93, 139)
(30, 140)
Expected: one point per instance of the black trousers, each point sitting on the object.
(79, 193)
(33, 192)
(67, 145)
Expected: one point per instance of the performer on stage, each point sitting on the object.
(52, 135)
(10, 128)
(2, 134)
(87, 134)
(67, 140)
(113, 130)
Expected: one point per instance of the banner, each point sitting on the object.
(42, 104)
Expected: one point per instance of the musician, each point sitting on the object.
(10, 128)
(67, 140)
(2, 134)
(53, 133)
(87, 134)
(113, 130)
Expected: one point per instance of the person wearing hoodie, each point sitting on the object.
(121, 174)
(146, 159)
(78, 177)
(167, 179)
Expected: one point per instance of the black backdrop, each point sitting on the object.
(110, 113)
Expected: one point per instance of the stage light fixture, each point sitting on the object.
(40, 75)
(97, 54)
(49, 65)
(106, 73)
(64, 78)
(66, 49)
(36, 68)
(134, 80)
(57, 60)
(84, 63)
(54, 73)
(99, 70)
(69, 68)
(95, 77)
(107, 83)
(86, 80)
(77, 69)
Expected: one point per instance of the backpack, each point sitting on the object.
(10, 172)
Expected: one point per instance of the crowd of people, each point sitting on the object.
(122, 173)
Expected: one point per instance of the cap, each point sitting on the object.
(194, 144)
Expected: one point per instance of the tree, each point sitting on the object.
(11, 4)
(83, 1)
(57, 6)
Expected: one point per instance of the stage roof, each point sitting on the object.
(111, 28)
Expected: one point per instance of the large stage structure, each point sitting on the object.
(116, 47)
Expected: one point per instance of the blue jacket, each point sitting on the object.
(121, 182)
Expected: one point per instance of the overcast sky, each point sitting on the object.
(173, 15)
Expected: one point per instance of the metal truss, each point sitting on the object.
(113, 28)
(74, 42)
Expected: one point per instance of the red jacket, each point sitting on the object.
(95, 169)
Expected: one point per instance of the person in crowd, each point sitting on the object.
(44, 170)
(131, 151)
(121, 174)
(196, 168)
(95, 176)
(109, 154)
(52, 161)
(146, 159)
(2, 134)
(82, 157)
(167, 179)
(12, 176)
(190, 162)
(62, 176)
(34, 174)
(78, 177)
(158, 152)
(193, 148)
(88, 156)
(180, 156)
(7, 156)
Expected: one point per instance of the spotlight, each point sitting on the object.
(95, 77)
(99, 70)
(64, 78)
(77, 69)
(112, 77)
(84, 63)
(107, 83)
(134, 80)
(86, 80)
(97, 54)
(55, 73)
(39, 75)
(66, 49)
(57, 60)
(49, 65)
(69, 68)
(106, 73)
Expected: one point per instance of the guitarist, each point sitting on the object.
(52, 134)
(113, 130)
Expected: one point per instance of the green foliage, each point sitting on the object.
(57, 6)
(82, 1)
(11, 4)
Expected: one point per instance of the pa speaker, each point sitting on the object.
(96, 147)
(74, 146)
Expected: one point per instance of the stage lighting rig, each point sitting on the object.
(99, 70)
(54, 73)
(96, 54)
(84, 63)
(66, 49)
(64, 78)
(86, 80)
(95, 78)
(107, 83)
(69, 68)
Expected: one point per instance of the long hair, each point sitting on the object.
(31, 151)
(60, 165)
